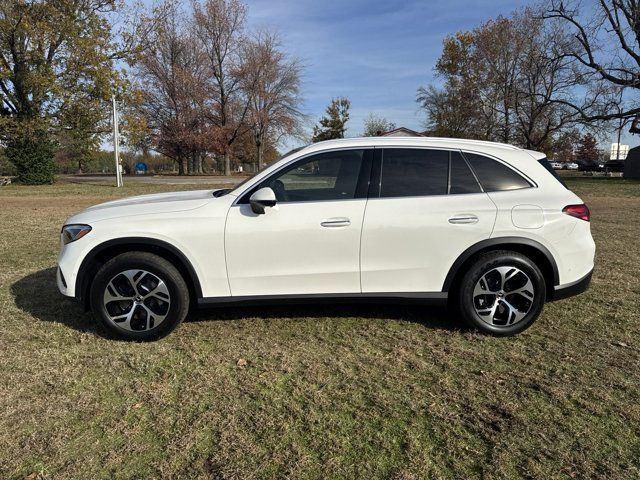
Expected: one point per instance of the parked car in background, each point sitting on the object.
(487, 228)
(614, 166)
(590, 165)
(556, 165)
(572, 166)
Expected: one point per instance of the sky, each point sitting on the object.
(375, 53)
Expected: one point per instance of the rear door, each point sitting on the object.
(425, 208)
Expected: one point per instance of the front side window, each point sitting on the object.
(493, 175)
(326, 176)
(413, 172)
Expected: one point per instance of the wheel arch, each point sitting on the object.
(109, 249)
(537, 252)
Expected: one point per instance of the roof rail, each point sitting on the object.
(399, 139)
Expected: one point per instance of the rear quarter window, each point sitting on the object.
(545, 163)
(494, 176)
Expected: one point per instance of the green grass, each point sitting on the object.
(328, 392)
(597, 185)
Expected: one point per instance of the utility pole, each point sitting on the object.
(116, 143)
(619, 133)
(622, 124)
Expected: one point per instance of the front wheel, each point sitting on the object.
(502, 293)
(139, 296)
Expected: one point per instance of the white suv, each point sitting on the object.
(488, 228)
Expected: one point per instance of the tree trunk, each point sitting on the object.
(507, 125)
(199, 165)
(259, 149)
(227, 163)
(180, 166)
(192, 164)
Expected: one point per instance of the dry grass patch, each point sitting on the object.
(334, 391)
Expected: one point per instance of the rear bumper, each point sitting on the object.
(570, 289)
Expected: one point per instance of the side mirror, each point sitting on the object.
(261, 199)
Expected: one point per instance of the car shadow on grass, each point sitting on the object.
(37, 295)
(427, 316)
(371, 308)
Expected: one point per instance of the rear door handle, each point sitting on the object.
(336, 222)
(460, 219)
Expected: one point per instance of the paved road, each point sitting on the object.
(156, 179)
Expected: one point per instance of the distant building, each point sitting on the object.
(621, 148)
(632, 164)
(403, 132)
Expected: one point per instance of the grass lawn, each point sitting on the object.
(326, 392)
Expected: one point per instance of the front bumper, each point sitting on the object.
(571, 289)
(62, 283)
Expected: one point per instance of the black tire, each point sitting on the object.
(486, 264)
(171, 311)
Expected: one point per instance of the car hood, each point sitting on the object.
(144, 204)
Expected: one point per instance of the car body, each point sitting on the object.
(590, 165)
(556, 165)
(572, 166)
(362, 218)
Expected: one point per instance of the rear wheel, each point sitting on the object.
(139, 296)
(502, 293)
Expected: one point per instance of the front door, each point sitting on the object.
(309, 243)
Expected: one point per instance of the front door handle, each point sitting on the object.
(336, 222)
(461, 219)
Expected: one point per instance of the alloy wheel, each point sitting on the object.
(503, 296)
(136, 300)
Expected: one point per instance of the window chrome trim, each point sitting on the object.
(374, 165)
(449, 174)
(428, 196)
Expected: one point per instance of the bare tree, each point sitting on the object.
(219, 26)
(465, 106)
(272, 82)
(606, 51)
(505, 81)
(172, 88)
(545, 82)
(498, 46)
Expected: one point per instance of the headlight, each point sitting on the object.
(71, 233)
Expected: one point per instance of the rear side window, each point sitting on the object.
(413, 172)
(545, 163)
(462, 179)
(493, 175)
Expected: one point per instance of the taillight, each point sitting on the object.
(579, 211)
